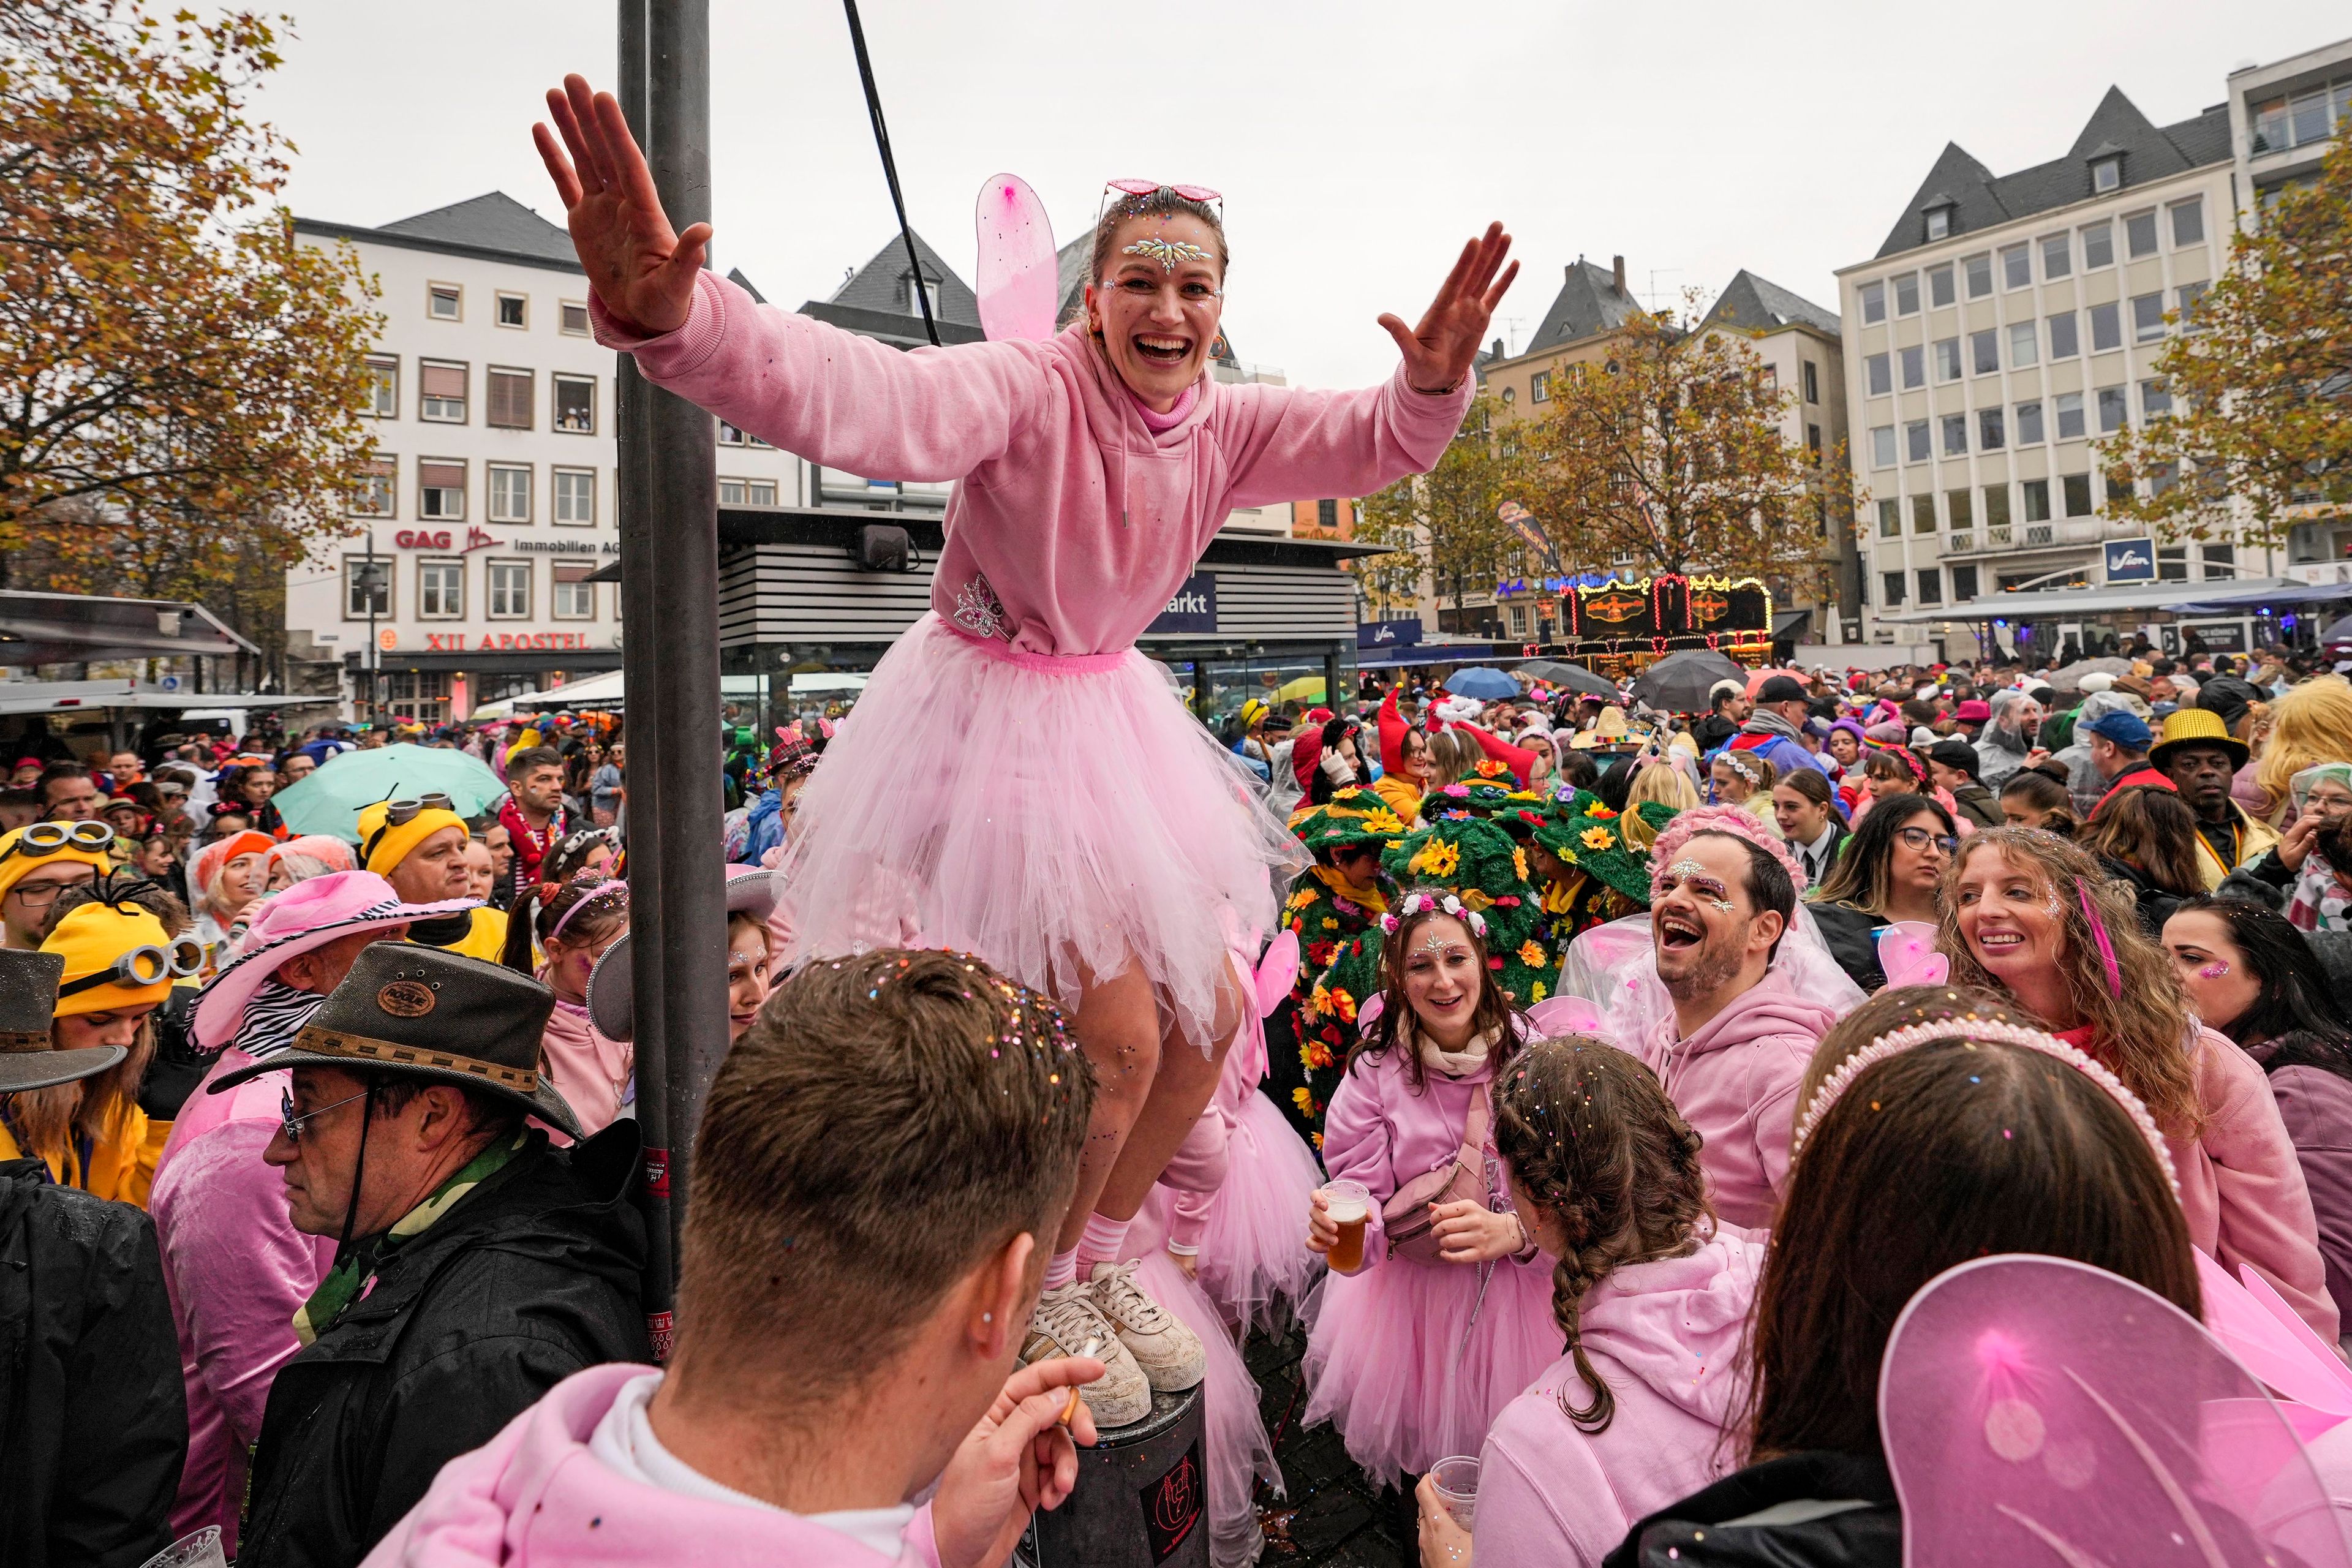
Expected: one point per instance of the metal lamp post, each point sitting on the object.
(372, 580)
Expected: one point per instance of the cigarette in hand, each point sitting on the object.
(1070, 1405)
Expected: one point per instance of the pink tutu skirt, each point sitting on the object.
(1060, 818)
(1253, 1259)
(1237, 1452)
(1396, 1362)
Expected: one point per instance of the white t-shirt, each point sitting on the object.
(623, 1443)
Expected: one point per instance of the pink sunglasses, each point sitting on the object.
(1145, 187)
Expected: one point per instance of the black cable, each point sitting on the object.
(889, 166)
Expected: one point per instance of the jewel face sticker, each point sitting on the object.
(2213, 971)
(1166, 252)
(1703, 885)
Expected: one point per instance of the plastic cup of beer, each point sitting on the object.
(1457, 1486)
(202, 1550)
(1349, 1205)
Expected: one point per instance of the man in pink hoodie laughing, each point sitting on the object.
(879, 1156)
(1733, 1052)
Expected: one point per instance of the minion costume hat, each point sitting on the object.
(391, 829)
(118, 956)
(54, 844)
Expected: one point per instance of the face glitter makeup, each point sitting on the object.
(1166, 252)
(2213, 971)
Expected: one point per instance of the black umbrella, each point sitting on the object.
(1678, 683)
(1568, 677)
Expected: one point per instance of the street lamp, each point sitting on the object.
(371, 579)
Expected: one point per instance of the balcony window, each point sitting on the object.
(1959, 509)
(2308, 116)
(2270, 134)
(1996, 506)
(2037, 500)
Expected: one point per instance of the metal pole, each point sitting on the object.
(670, 588)
(375, 658)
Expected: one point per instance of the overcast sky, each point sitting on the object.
(1357, 144)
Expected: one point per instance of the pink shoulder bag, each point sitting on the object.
(1405, 1216)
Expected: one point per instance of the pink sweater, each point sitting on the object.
(1665, 1338)
(1073, 521)
(1379, 1132)
(588, 1068)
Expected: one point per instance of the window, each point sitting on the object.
(1939, 286)
(1956, 435)
(2024, 344)
(2308, 116)
(1814, 441)
(917, 293)
(514, 311)
(1923, 514)
(2188, 223)
(2029, 424)
(2064, 342)
(1914, 367)
(2172, 563)
(2107, 174)
(1890, 518)
(510, 590)
(2162, 478)
(575, 404)
(728, 436)
(373, 489)
(1964, 584)
(2148, 317)
(1984, 352)
(1540, 387)
(1931, 585)
(2098, 245)
(1893, 588)
(1874, 302)
(2017, 267)
(441, 589)
(1882, 446)
(575, 597)
(1990, 434)
(1809, 376)
(2220, 561)
(1958, 509)
(1980, 274)
(747, 492)
(1916, 442)
(367, 586)
(509, 492)
(1996, 506)
(1939, 223)
(510, 395)
(572, 318)
(2139, 235)
(2057, 256)
(417, 696)
(2077, 493)
(1877, 374)
(2037, 500)
(2107, 327)
(383, 387)
(2112, 414)
(2119, 491)
(1519, 620)
(1906, 294)
(2155, 398)
(575, 496)
(1948, 359)
(2270, 126)
(2069, 408)
(2185, 302)
(441, 491)
(441, 391)
(444, 301)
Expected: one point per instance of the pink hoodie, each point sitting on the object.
(1665, 1338)
(1074, 520)
(588, 1067)
(535, 1494)
(1736, 1083)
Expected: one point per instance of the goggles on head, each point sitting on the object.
(400, 812)
(49, 837)
(144, 967)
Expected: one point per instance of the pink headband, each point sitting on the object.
(606, 890)
(1729, 820)
(1989, 1031)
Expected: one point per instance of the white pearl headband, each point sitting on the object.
(1423, 903)
(1992, 1031)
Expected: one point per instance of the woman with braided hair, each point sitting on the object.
(1651, 1293)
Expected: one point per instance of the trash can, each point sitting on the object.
(1141, 1500)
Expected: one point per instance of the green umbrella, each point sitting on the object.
(329, 801)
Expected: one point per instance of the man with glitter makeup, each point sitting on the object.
(1732, 1052)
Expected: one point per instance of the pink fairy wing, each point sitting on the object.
(1906, 952)
(2286, 1361)
(1276, 972)
(1017, 281)
(2262, 1290)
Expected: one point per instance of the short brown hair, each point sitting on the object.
(891, 1120)
(530, 757)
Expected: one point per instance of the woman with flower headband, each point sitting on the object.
(1091, 470)
(2034, 916)
(573, 922)
(1447, 1317)
(1744, 780)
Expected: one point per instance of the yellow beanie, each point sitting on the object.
(383, 846)
(90, 939)
(12, 866)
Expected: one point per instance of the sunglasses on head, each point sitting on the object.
(144, 967)
(49, 837)
(1151, 188)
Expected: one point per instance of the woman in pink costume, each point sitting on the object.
(1019, 780)
(1651, 1294)
(1412, 1361)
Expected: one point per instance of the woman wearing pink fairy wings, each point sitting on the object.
(1078, 828)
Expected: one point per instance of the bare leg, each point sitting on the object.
(1118, 1027)
(1179, 1094)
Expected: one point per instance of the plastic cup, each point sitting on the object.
(1349, 1206)
(1456, 1478)
(202, 1550)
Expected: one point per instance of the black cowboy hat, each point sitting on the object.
(422, 1012)
(29, 1001)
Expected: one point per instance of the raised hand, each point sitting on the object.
(641, 269)
(1439, 351)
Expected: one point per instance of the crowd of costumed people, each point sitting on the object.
(1844, 1117)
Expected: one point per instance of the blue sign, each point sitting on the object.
(1388, 634)
(2131, 561)
(1192, 607)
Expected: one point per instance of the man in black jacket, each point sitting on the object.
(93, 1421)
(477, 1265)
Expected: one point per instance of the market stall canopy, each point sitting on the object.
(2073, 604)
(58, 629)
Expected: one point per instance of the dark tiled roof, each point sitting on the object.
(1070, 274)
(492, 222)
(881, 286)
(1756, 304)
(736, 276)
(1981, 200)
(1588, 303)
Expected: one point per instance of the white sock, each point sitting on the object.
(1103, 1241)
(1062, 1269)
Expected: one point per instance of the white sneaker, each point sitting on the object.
(1168, 1352)
(1066, 1323)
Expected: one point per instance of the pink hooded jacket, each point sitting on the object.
(237, 1270)
(588, 1067)
(1074, 519)
(1665, 1338)
(1736, 1083)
